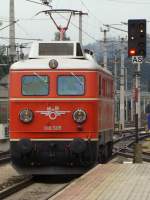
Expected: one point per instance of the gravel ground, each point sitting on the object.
(146, 145)
(37, 191)
(7, 172)
(8, 176)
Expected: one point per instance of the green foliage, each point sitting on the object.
(4, 69)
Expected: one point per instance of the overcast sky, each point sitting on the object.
(100, 12)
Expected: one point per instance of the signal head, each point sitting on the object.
(137, 37)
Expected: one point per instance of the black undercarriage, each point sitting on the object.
(58, 157)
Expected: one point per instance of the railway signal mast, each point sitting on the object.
(137, 51)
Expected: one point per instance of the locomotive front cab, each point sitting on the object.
(53, 114)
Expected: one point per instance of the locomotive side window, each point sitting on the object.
(35, 85)
(71, 85)
(112, 89)
(103, 87)
(108, 88)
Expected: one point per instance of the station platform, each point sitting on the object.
(110, 182)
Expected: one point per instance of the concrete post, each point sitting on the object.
(138, 102)
(12, 47)
(122, 93)
(126, 88)
(115, 86)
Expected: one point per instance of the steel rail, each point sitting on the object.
(15, 188)
(54, 193)
(128, 151)
(4, 157)
(131, 155)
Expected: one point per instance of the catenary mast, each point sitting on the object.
(12, 46)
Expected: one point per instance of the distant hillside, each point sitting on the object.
(114, 47)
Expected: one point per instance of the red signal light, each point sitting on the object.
(132, 52)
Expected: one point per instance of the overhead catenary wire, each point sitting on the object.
(100, 21)
(119, 29)
(32, 1)
(77, 27)
(129, 1)
(9, 25)
(84, 32)
(90, 36)
(23, 30)
(83, 3)
(20, 38)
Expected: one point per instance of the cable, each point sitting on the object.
(90, 11)
(70, 22)
(24, 19)
(17, 38)
(23, 30)
(44, 4)
(9, 25)
(90, 36)
(78, 28)
(82, 2)
(129, 2)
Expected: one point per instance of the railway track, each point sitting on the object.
(31, 189)
(4, 157)
(34, 189)
(123, 145)
(145, 158)
(15, 188)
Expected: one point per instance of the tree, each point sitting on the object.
(4, 69)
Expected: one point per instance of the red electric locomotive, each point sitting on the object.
(61, 110)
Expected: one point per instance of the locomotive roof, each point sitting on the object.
(79, 60)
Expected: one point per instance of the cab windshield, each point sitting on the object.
(71, 85)
(35, 85)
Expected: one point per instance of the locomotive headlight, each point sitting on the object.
(26, 115)
(53, 64)
(79, 116)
